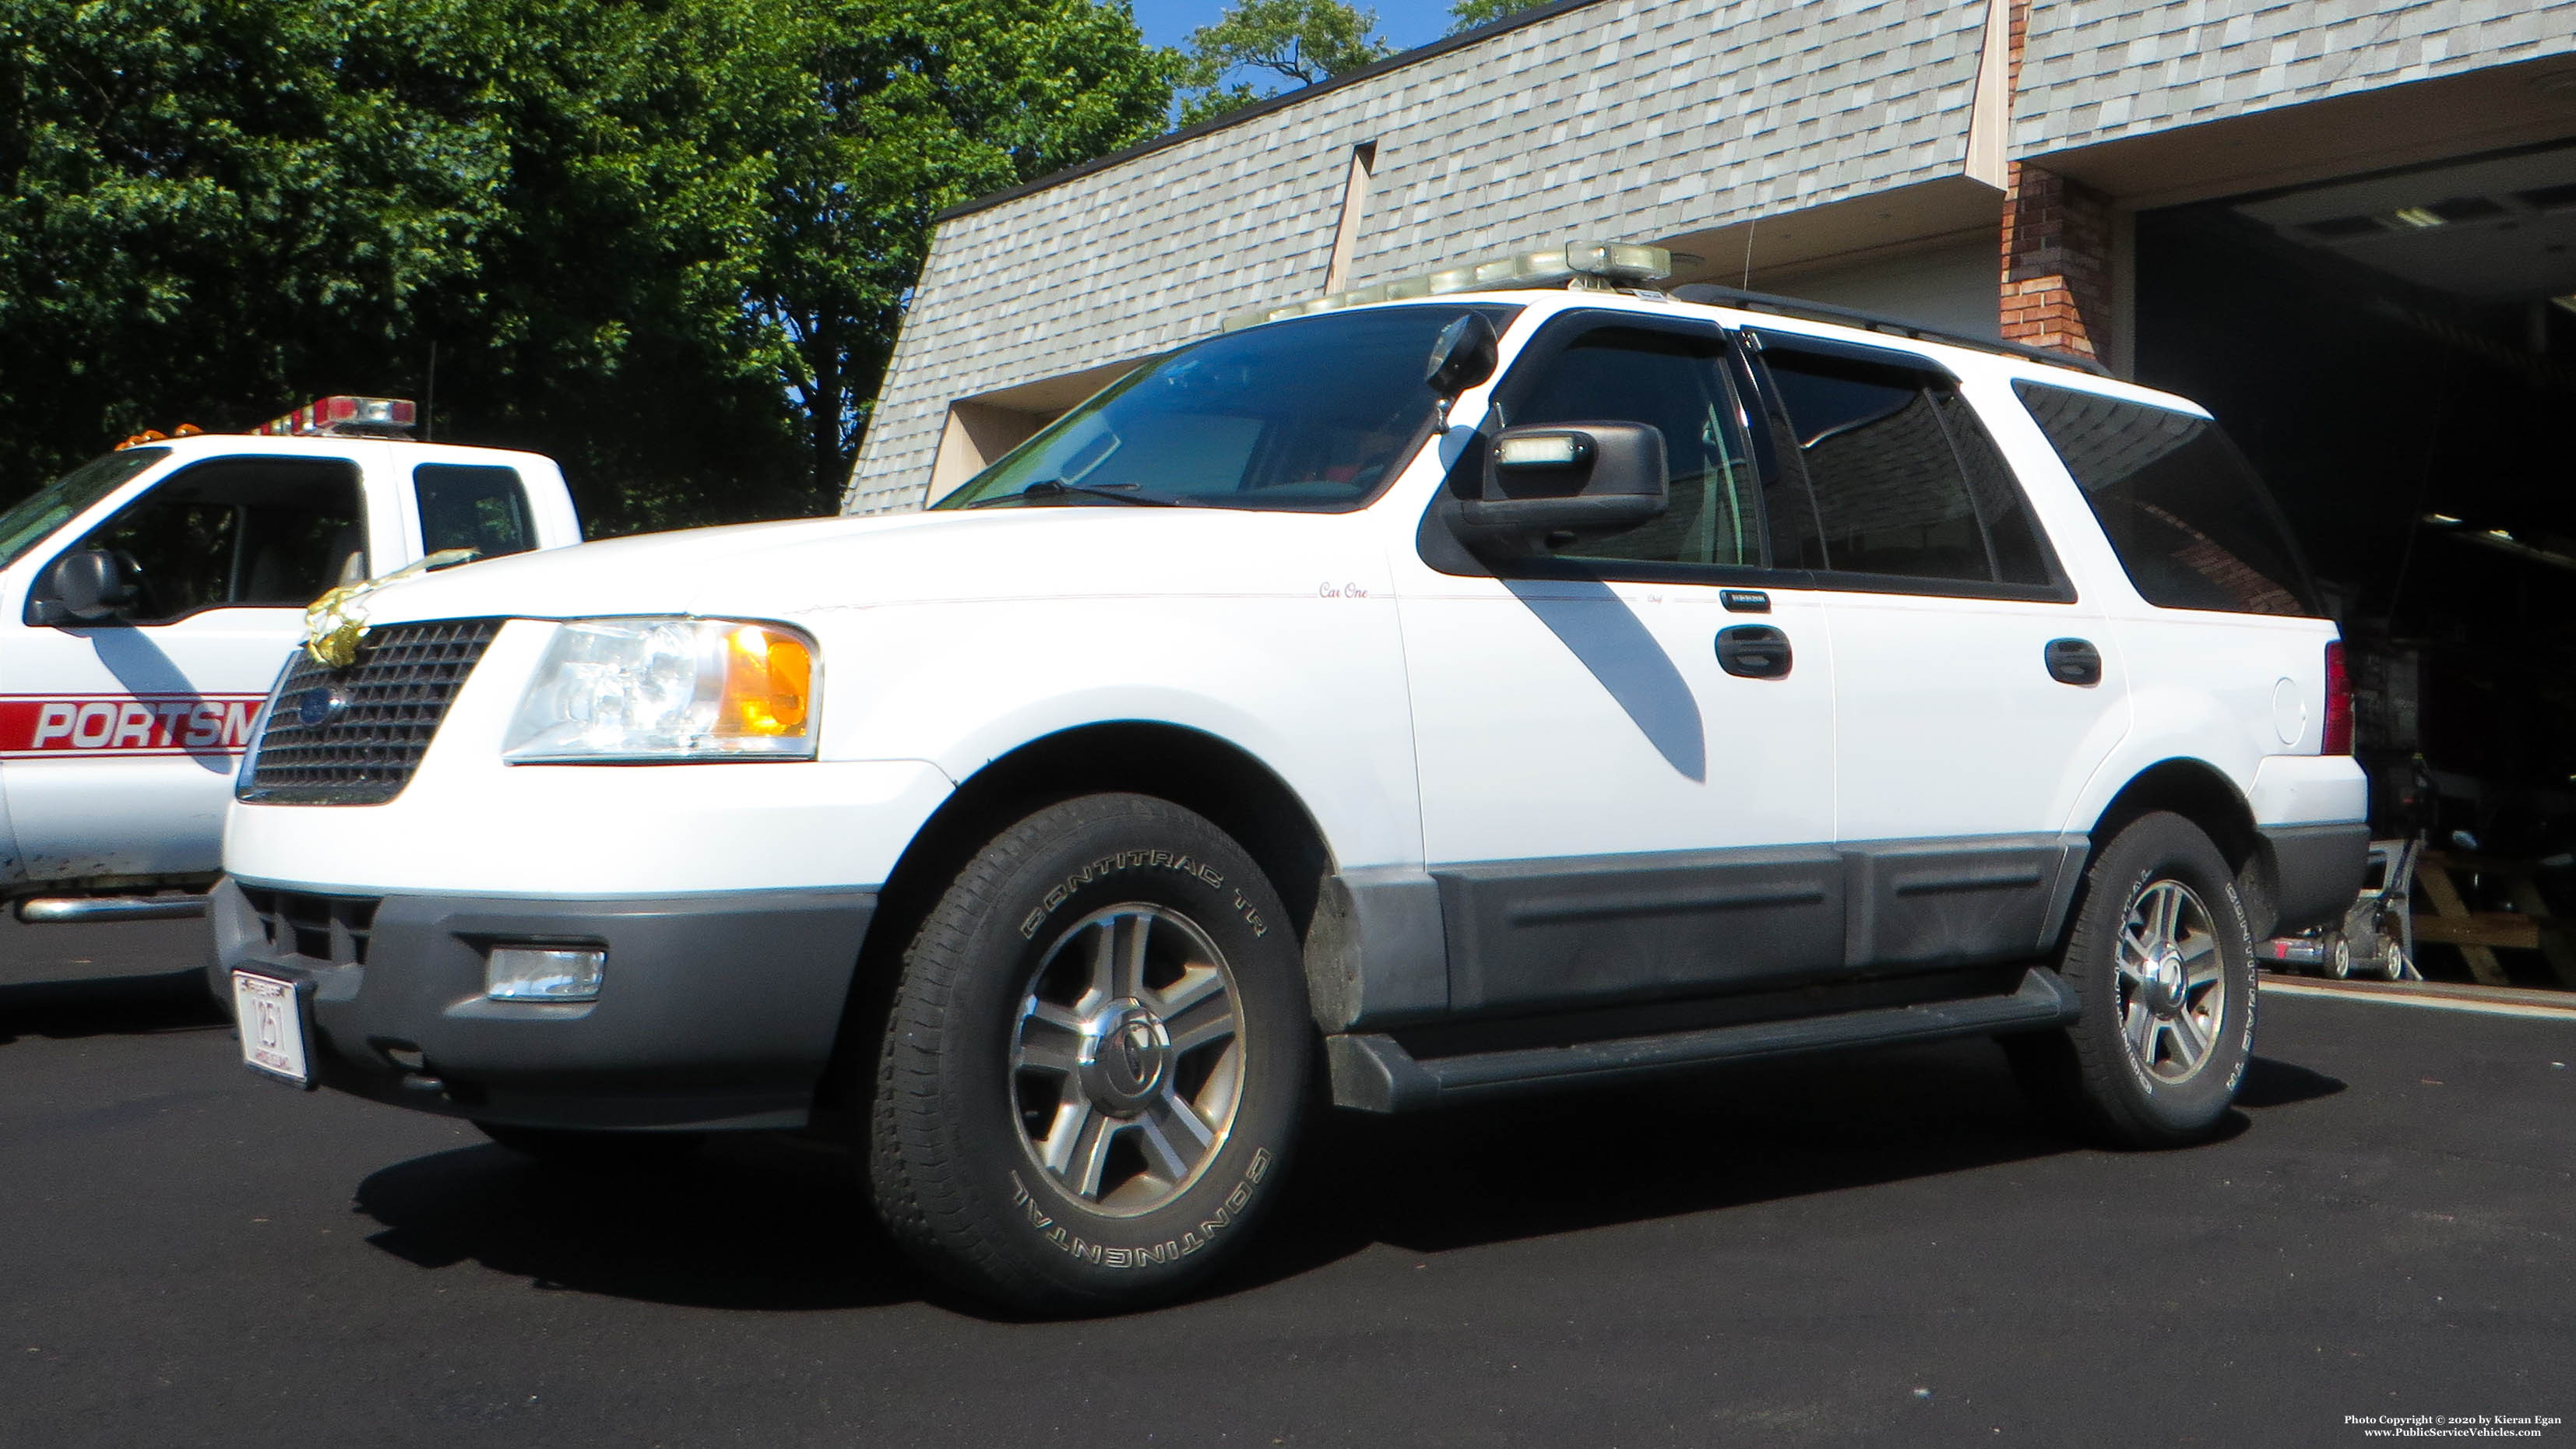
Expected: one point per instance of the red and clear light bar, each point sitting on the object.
(361, 416)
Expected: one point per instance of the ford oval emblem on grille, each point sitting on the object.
(319, 706)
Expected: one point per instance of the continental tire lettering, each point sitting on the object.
(1170, 1250)
(1108, 865)
(1251, 917)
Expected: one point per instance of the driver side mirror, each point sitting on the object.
(84, 586)
(1549, 483)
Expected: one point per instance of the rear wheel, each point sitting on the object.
(2162, 963)
(1093, 1068)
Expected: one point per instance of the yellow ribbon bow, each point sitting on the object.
(335, 623)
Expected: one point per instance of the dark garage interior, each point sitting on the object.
(2397, 354)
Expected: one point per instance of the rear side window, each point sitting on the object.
(1906, 483)
(472, 506)
(2189, 519)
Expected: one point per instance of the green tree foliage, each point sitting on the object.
(1303, 41)
(667, 241)
(1468, 14)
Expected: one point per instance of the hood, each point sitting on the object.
(787, 569)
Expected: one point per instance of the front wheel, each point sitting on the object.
(1095, 1060)
(2162, 962)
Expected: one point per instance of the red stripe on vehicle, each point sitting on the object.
(35, 726)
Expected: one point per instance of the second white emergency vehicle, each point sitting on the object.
(147, 602)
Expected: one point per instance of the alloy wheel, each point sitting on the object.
(1127, 1058)
(2172, 982)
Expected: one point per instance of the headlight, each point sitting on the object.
(668, 689)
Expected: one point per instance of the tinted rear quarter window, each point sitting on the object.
(2192, 524)
(472, 506)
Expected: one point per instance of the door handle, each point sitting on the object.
(1753, 651)
(2074, 661)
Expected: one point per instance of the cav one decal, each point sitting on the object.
(34, 726)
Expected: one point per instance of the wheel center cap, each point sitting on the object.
(2164, 983)
(1125, 1055)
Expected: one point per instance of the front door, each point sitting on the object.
(122, 738)
(1610, 812)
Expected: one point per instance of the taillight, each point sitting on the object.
(2338, 703)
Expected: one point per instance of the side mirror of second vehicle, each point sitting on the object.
(1555, 482)
(85, 586)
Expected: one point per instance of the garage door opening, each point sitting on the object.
(2397, 353)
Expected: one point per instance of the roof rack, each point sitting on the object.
(1826, 312)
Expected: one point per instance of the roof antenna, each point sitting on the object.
(1748, 250)
(429, 410)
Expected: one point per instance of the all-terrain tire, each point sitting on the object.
(1027, 1139)
(2167, 1023)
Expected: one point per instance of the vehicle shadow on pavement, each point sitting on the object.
(769, 1223)
(752, 1223)
(1723, 1139)
(114, 1005)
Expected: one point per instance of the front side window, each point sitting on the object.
(239, 532)
(33, 518)
(472, 506)
(1906, 483)
(1311, 415)
(2192, 524)
(1675, 382)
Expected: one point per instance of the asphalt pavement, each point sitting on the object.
(1875, 1249)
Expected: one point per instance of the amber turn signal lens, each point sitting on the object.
(769, 678)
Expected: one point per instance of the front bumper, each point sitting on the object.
(717, 1011)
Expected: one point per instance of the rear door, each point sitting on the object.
(132, 729)
(1612, 814)
(1975, 693)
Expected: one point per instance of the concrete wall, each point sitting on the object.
(1622, 119)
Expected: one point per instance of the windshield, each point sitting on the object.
(50, 507)
(1311, 415)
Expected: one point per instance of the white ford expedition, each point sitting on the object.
(1434, 697)
(147, 601)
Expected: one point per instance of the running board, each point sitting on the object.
(1376, 1073)
(75, 910)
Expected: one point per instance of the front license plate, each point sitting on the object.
(272, 1027)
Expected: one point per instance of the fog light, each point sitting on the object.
(544, 973)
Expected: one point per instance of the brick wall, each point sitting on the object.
(2056, 283)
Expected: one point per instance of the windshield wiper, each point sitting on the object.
(1057, 488)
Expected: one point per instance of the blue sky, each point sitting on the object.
(1403, 24)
